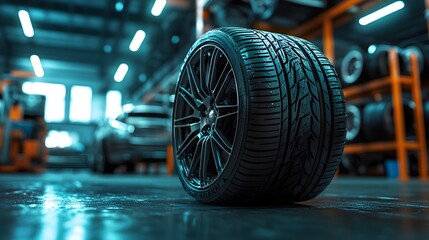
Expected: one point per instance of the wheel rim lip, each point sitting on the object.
(179, 163)
(352, 133)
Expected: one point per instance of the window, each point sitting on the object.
(113, 104)
(80, 104)
(58, 139)
(55, 98)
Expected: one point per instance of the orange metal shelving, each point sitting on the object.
(396, 84)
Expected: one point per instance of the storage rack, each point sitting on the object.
(324, 24)
(396, 84)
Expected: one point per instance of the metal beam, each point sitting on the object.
(120, 29)
(104, 34)
(332, 13)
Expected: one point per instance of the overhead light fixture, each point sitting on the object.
(137, 40)
(121, 72)
(119, 6)
(158, 6)
(37, 66)
(372, 48)
(389, 9)
(27, 27)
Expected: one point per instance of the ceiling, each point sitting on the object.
(84, 42)
(404, 27)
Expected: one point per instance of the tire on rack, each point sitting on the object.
(378, 122)
(422, 53)
(351, 66)
(257, 116)
(378, 61)
(353, 122)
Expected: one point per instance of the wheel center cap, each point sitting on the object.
(208, 121)
(212, 116)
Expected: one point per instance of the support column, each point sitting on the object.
(328, 40)
(398, 114)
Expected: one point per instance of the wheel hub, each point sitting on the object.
(208, 117)
(212, 116)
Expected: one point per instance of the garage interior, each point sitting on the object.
(87, 93)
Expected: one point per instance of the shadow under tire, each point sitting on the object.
(258, 117)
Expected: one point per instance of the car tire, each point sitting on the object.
(422, 53)
(351, 67)
(377, 65)
(258, 116)
(353, 122)
(104, 165)
(378, 121)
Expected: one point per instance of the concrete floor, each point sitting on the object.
(71, 205)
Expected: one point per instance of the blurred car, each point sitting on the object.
(141, 133)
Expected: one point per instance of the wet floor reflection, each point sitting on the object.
(88, 207)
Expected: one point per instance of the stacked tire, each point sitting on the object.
(379, 120)
(370, 121)
(354, 113)
(378, 61)
(422, 53)
(351, 66)
(356, 66)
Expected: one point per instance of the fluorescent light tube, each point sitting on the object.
(137, 40)
(121, 72)
(37, 66)
(158, 6)
(27, 27)
(391, 8)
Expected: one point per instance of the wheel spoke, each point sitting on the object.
(187, 143)
(178, 123)
(193, 83)
(222, 141)
(189, 98)
(227, 110)
(203, 74)
(204, 159)
(214, 81)
(196, 159)
(226, 115)
(221, 84)
(216, 157)
(211, 69)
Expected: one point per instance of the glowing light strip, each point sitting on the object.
(389, 9)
